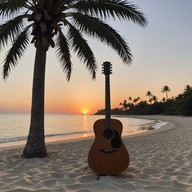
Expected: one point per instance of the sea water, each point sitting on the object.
(14, 128)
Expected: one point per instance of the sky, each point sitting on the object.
(162, 55)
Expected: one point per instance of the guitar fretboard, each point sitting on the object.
(107, 102)
(107, 71)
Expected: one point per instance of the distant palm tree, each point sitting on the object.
(151, 100)
(136, 100)
(165, 90)
(154, 99)
(124, 104)
(59, 24)
(187, 88)
(149, 94)
(130, 99)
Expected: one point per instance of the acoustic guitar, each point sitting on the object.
(108, 155)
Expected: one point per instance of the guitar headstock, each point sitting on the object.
(107, 68)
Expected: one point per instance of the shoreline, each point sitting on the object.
(160, 160)
(79, 137)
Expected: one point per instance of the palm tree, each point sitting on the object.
(154, 99)
(163, 100)
(136, 100)
(59, 24)
(187, 88)
(165, 90)
(149, 94)
(124, 104)
(130, 99)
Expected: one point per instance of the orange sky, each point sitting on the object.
(162, 56)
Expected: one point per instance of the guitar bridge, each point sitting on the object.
(108, 150)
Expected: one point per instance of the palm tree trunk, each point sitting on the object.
(166, 95)
(35, 146)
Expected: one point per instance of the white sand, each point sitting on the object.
(160, 161)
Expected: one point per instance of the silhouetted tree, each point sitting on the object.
(130, 99)
(187, 88)
(149, 94)
(179, 105)
(165, 90)
(154, 99)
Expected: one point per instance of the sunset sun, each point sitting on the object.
(85, 111)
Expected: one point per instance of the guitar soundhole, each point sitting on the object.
(108, 134)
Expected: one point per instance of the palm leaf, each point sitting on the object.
(62, 5)
(63, 53)
(9, 30)
(96, 28)
(3, 8)
(15, 52)
(111, 8)
(83, 50)
(10, 7)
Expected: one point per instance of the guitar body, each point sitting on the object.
(108, 155)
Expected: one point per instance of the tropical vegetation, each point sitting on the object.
(59, 24)
(179, 105)
(165, 90)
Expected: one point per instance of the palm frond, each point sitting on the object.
(63, 53)
(15, 52)
(3, 8)
(61, 6)
(10, 7)
(9, 30)
(96, 28)
(3, 1)
(82, 49)
(111, 8)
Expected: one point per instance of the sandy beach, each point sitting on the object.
(160, 161)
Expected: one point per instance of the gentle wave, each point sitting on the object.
(159, 124)
(14, 127)
(15, 139)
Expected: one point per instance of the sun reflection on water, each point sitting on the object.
(85, 126)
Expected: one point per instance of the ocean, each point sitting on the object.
(14, 127)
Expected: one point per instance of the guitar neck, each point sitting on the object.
(107, 101)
